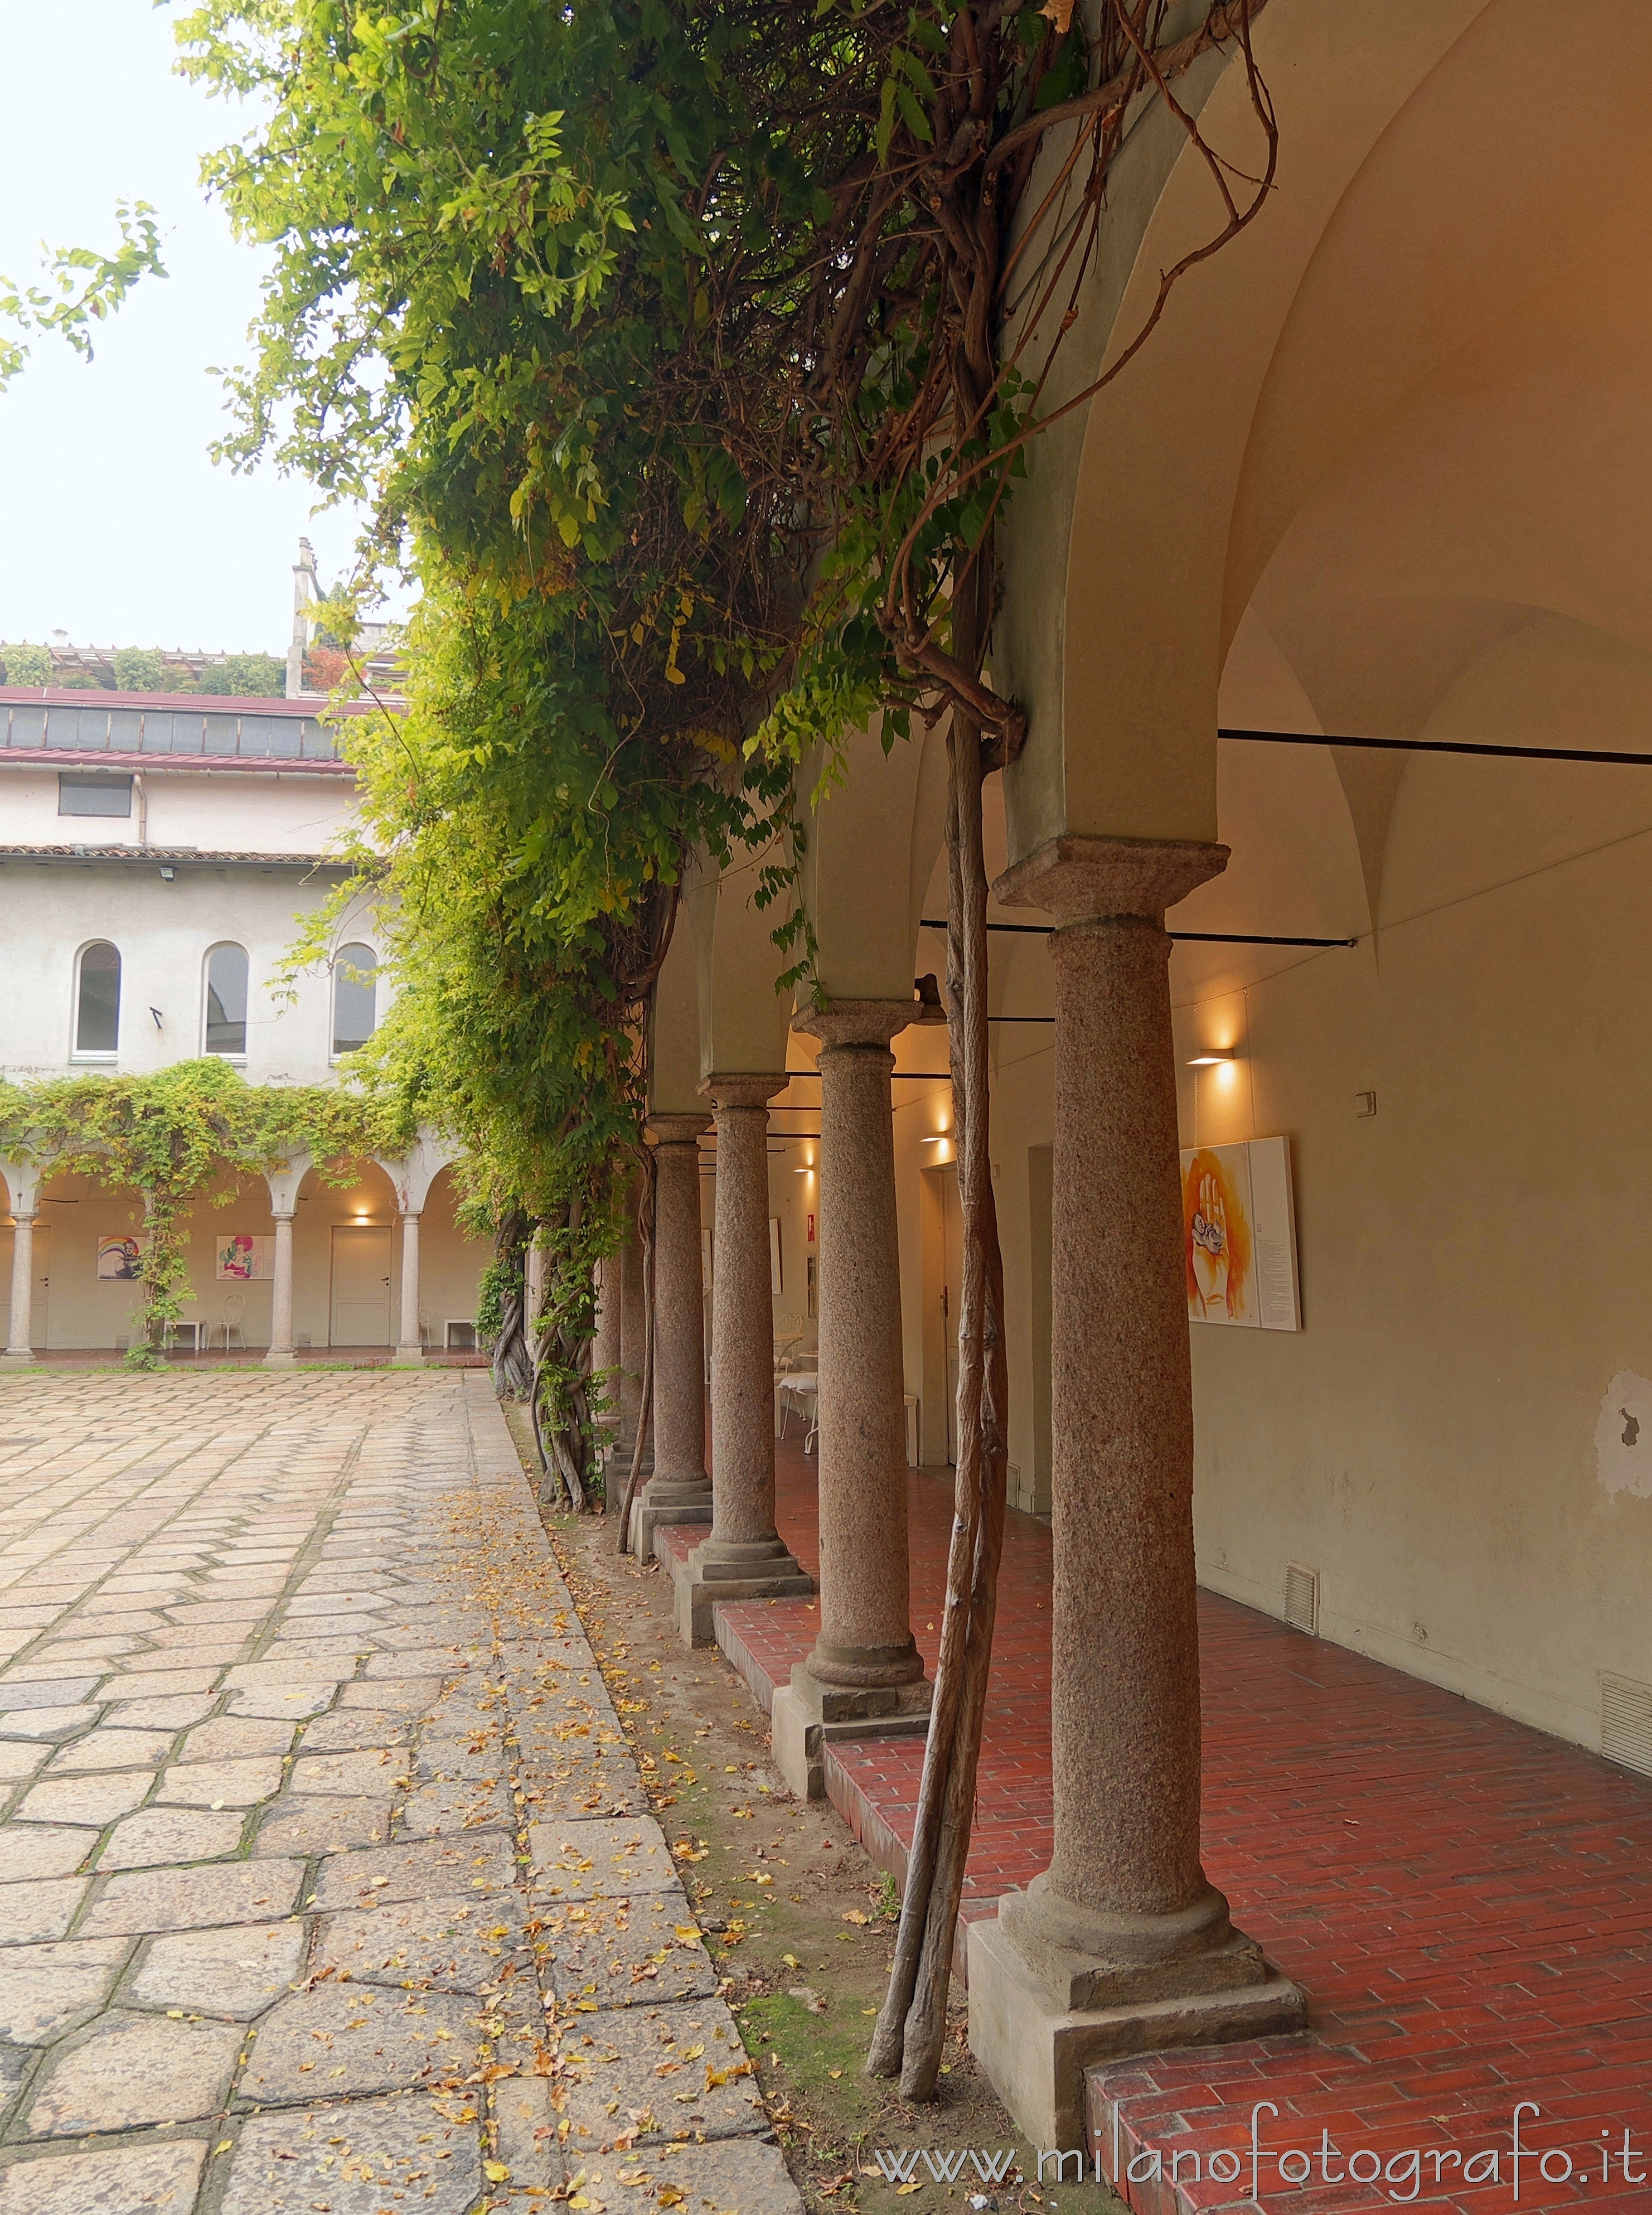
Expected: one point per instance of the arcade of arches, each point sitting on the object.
(1382, 473)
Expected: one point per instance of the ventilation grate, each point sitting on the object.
(1302, 1598)
(1626, 1723)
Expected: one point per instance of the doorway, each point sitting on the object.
(40, 1303)
(361, 1284)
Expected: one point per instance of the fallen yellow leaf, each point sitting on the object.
(495, 2172)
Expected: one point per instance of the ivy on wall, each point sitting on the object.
(170, 1136)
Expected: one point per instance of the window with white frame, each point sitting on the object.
(226, 1000)
(355, 997)
(97, 1001)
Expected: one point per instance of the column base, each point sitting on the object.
(285, 1359)
(701, 1582)
(1036, 2052)
(407, 1357)
(808, 1716)
(665, 1500)
(10, 1360)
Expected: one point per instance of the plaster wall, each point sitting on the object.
(233, 811)
(1471, 1269)
(163, 932)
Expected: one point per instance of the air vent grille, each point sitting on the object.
(1626, 1723)
(1302, 1598)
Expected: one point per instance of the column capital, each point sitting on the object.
(676, 1130)
(1081, 878)
(281, 1215)
(743, 1088)
(857, 1022)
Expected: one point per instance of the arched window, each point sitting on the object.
(355, 997)
(226, 1000)
(97, 1000)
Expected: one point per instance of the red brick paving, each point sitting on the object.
(1467, 1902)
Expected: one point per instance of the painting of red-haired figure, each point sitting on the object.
(1218, 1239)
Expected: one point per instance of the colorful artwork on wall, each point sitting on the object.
(1239, 1235)
(244, 1257)
(120, 1256)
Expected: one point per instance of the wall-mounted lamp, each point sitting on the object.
(1212, 1057)
(935, 1138)
(167, 875)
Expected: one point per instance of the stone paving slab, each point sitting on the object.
(325, 1872)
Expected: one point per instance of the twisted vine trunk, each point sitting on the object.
(560, 1400)
(645, 1230)
(513, 1355)
(911, 2026)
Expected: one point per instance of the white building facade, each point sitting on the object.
(158, 857)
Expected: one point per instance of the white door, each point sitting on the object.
(361, 1285)
(38, 1304)
(951, 1296)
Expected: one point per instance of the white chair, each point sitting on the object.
(800, 1388)
(234, 1307)
(784, 1362)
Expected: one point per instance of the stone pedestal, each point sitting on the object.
(20, 1352)
(1122, 1944)
(744, 1557)
(680, 1489)
(410, 1352)
(865, 1673)
(280, 1355)
(808, 1716)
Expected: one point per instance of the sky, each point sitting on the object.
(115, 524)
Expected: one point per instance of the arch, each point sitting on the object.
(95, 1015)
(355, 996)
(1118, 658)
(225, 983)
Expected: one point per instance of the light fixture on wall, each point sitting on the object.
(1211, 1057)
(935, 1138)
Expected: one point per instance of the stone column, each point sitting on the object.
(280, 1355)
(679, 1491)
(865, 1673)
(633, 1305)
(1122, 1945)
(409, 1353)
(20, 1350)
(744, 1557)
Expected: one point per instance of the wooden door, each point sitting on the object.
(361, 1285)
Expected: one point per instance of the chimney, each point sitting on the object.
(305, 592)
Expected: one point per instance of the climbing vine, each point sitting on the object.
(169, 1137)
(688, 351)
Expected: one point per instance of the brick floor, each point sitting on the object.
(327, 1880)
(1467, 1902)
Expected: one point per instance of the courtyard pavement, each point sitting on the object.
(326, 1878)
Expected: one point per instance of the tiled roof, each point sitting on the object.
(171, 856)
